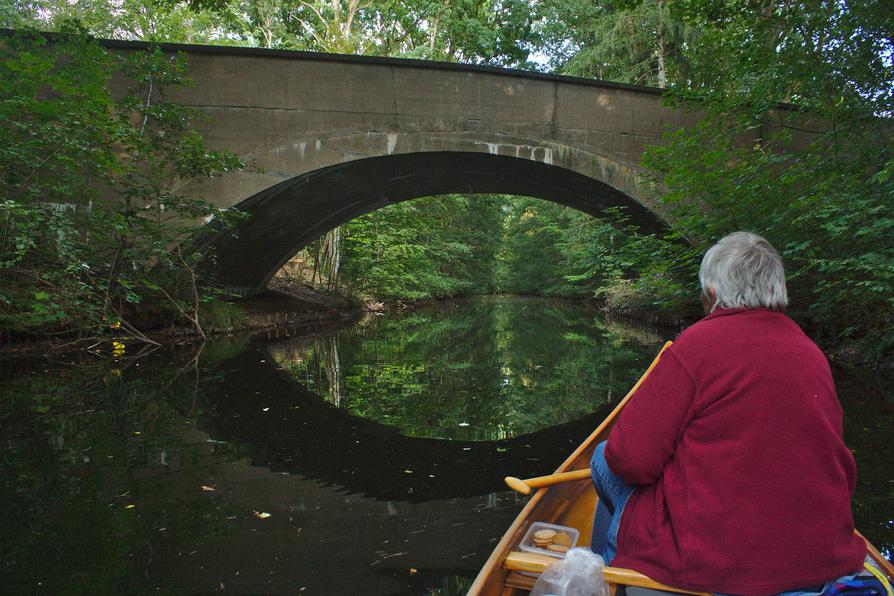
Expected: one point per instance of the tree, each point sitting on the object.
(90, 225)
(148, 20)
(432, 247)
(827, 204)
(629, 42)
(478, 31)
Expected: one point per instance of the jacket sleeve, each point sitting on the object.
(645, 436)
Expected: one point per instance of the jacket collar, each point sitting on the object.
(725, 312)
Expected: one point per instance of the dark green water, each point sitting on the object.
(365, 461)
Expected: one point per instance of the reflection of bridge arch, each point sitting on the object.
(300, 433)
(288, 216)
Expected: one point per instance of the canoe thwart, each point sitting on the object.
(534, 563)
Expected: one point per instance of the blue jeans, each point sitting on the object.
(613, 495)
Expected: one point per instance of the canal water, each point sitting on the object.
(363, 461)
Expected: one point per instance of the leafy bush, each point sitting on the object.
(87, 218)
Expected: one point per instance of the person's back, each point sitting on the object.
(756, 498)
(727, 472)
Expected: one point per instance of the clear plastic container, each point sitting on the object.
(527, 543)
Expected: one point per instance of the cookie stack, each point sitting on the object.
(558, 542)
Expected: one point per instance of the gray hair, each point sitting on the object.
(745, 271)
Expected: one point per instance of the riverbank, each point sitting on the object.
(296, 308)
(293, 307)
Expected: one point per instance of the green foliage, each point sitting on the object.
(530, 258)
(436, 247)
(88, 217)
(149, 20)
(477, 31)
(552, 250)
(815, 181)
(628, 42)
(217, 314)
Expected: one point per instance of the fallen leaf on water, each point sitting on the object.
(261, 514)
(464, 424)
(412, 571)
(408, 471)
(208, 488)
(400, 554)
(502, 450)
(129, 506)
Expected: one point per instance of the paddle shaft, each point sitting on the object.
(557, 478)
(525, 486)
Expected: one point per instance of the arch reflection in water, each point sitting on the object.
(484, 370)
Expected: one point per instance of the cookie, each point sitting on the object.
(559, 548)
(544, 535)
(562, 539)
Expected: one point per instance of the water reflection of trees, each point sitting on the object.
(89, 447)
(486, 370)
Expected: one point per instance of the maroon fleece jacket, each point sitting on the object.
(734, 445)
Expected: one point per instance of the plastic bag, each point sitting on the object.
(578, 574)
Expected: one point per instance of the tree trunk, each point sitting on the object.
(334, 257)
(662, 71)
(313, 276)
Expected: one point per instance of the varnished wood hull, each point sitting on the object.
(570, 504)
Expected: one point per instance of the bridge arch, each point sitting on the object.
(289, 215)
(304, 116)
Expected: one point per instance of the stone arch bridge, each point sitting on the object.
(338, 136)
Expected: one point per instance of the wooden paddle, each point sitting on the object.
(526, 486)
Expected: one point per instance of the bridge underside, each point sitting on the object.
(286, 217)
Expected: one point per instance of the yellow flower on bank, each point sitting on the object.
(116, 325)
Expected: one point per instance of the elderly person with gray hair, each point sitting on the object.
(727, 471)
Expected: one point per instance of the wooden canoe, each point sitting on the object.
(571, 504)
